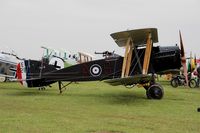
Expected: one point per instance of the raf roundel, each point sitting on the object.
(95, 70)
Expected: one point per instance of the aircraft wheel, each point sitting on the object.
(3, 79)
(174, 82)
(192, 83)
(155, 91)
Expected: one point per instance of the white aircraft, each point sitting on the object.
(8, 62)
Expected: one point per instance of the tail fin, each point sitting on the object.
(21, 73)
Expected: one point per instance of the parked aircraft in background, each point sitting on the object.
(65, 58)
(8, 63)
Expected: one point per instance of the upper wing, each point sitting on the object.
(136, 79)
(139, 36)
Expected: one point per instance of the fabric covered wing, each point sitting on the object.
(139, 36)
(136, 79)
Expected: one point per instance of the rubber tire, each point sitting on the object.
(174, 82)
(155, 91)
(3, 79)
(192, 83)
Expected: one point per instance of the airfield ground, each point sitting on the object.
(96, 107)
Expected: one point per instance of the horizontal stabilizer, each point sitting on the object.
(139, 36)
(20, 80)
(8, 76)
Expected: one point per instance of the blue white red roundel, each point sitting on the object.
(95, 70)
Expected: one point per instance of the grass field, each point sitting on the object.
(96, 107)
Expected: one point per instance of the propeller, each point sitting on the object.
(183, 59)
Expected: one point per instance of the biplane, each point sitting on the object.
(141, 61)
(65, 58)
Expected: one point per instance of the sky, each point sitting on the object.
(86, 25)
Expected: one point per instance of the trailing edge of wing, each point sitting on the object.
(139, 36)
(130, 80)
(170, 71)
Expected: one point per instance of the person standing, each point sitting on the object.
(198, 75)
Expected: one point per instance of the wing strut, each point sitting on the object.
(147, 54)
(138, 59)
(127, 58)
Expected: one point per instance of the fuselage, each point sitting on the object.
(41, 74)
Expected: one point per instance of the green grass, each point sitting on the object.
(95, 107)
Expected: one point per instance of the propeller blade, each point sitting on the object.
(183, 59)
(181, 45)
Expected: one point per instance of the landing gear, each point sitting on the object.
(62, 86)
(3, 79)
(155, 91)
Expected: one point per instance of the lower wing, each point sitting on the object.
(136, 79)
